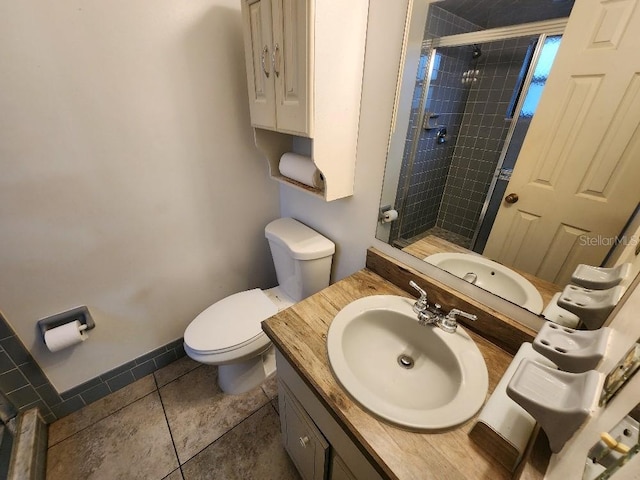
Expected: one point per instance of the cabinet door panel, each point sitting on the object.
(339, 471)
(291, 65)
(303, 441)
(257, 18)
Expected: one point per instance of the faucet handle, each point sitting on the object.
(455, 312)
(449, 323)
(421, 304)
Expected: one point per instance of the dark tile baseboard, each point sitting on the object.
(23, 382)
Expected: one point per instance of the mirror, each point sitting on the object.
(470, 88)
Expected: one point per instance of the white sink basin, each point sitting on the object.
(368, 341)
(491, 276)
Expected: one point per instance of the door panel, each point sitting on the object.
(578, 169)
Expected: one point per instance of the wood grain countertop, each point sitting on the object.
(300, 333)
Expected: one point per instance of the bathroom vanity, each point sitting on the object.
(328, 435)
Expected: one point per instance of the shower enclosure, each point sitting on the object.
(474, 99)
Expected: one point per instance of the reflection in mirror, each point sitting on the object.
(620, 374)
(478, 75)
(614, 448)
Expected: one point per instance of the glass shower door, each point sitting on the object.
(532, 89)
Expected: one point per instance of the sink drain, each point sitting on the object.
(405, 361)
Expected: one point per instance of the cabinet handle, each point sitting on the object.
(275, 58)
(304, 441)
(265, 53)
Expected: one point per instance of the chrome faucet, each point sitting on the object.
(433, 314)
(427, 314)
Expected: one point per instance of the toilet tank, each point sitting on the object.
(302, 257)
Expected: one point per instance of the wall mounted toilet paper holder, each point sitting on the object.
(81, 314)
(383, 209)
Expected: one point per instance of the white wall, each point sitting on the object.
(129, 180)
(351, 222)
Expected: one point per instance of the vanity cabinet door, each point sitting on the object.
(305, 444)
(339, 471)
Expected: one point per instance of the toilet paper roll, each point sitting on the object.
(65, 335)
(389, 216)
(301, 168)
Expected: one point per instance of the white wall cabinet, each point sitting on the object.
(276, 45)
(304, 62)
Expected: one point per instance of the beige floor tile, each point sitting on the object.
(252, 450)
(270, 387)
(199, 413)
(133, 443)
(175, 369)
(175, 475)
(73, 423)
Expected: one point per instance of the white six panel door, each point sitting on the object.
(578, 171)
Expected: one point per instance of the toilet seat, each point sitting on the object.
(231, 324)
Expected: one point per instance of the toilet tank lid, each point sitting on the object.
(302, 242)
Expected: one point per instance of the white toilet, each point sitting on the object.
(228, 333)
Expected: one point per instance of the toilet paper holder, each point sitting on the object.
(81, 314)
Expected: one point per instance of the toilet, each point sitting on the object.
(228, 333)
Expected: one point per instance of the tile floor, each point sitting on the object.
(174, 424)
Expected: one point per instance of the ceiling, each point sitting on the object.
(500, 13)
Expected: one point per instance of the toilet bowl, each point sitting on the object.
(229, 333)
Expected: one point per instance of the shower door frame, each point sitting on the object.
(535, 57)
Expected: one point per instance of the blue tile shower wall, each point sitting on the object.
(481, 135)
(26, 386)
(421, 184)
(432, 161)
(441, 23)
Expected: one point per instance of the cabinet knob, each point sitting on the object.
(304, 441)
(265, 54)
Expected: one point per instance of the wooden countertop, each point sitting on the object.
(431, 244)
(300, 333)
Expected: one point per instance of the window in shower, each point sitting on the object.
(540, 75)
